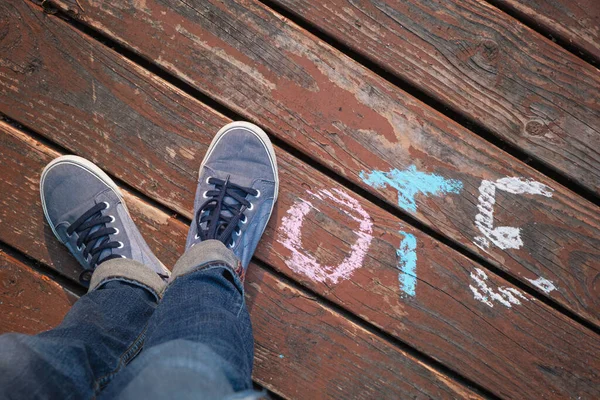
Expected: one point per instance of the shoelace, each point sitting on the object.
(222, 217)
(94, 241)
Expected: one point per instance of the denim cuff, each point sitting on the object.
(131, 271)
(206, 254)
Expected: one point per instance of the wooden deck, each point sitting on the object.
(437, 233)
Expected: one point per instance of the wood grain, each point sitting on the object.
(443, 320)
(576, 22)
(482, 64)
(304, 92)
(29, 302)
(319, 346)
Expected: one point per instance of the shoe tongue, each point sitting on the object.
(230, 201)
(106, 252)
(239, 180)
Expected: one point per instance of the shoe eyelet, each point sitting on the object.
(86, 276)
(238, 232)
(79, 248)
(112, 219)
(245, 220)
(257, 194)
(207, 182)
(107, 205)
(120, 245)
(196, 237)
(251, 207)
(204, 194)
(231, 245)
(117, 231)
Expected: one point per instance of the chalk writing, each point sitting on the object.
(544, 284)
(407, 263)
(411, 182)
(290, 236)
(505, 237)
(485, 294)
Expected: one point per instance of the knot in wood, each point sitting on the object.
(487, 56)
(535, 128)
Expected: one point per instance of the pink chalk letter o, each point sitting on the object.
(290, 236)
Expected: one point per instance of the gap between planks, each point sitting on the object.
(545, 30)
(448, 110)
(43, 269)
(439, 369)
(346, 182)
(306, 292)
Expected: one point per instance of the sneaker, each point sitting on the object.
(237, 190)
(86, 212)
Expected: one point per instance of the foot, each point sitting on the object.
(86, 212)
(237, 189)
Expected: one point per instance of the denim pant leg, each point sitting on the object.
(103, 330)
(199, 343)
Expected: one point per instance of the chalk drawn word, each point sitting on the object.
(290, 236)
(544, 284)
(485, 294)
(411, 182)
(505, 237)
(407, 264)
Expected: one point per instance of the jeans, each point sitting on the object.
(125, 339)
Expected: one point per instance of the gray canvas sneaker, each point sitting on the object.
(237, 190)
(86, 212)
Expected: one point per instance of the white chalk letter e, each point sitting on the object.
(505, 237)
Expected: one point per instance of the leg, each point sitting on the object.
(99, 335)
(200, 338)
(105, 328)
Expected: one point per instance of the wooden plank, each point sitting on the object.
(308, 94)
(574, 22)
(326, 355)
(443, 320)
(29, 301)
(483, 64)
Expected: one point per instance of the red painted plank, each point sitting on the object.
(29, 301)
(444, 320)
(316, 99)
(483, 64)
(576, 22)
(286, 322)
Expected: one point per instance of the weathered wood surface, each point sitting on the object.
(480, 63)
(306, 93)
(318, 345)
(443, 320)
(576, 22)
(29, 301)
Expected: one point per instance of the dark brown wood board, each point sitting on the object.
(328, 235)
(29, 301)
(482, 64)
(560, 234)
(319, 346)
(576, 22)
